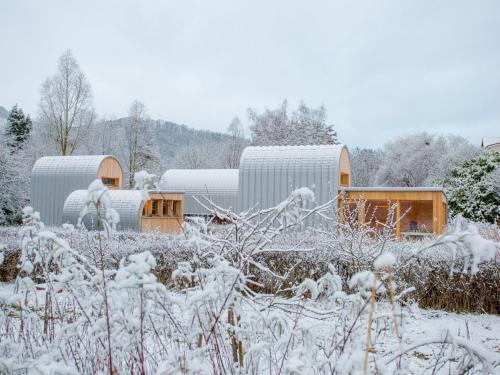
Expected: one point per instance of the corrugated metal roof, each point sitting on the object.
(53, 178)
(128, 204)
(268, 174)
(218, 185)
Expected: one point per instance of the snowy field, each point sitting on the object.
(259, 295)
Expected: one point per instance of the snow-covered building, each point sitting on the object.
(162, 212)
(218, 185)
(53, 178)
(268, 174)
(491, 144)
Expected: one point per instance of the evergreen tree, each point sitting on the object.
(473, 189)
(18, 127)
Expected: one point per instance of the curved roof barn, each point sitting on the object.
(218, 185)
(53, 178)
(268, 174)
(127, 203)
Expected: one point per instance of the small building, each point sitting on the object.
(162, 212)
(53, 178)
(491, 144)
(268, 174)
(218, 185)
(418, 211)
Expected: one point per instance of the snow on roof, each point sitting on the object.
(283, 154)
(69, 164)
(218, 185)
(390, 188)
(490, 141)
(203, 181)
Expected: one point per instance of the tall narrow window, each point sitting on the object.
(165, 208)
(154, 208)
(175, 209)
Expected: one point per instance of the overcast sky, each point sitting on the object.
(381, 68)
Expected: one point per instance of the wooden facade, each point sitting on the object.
(163, 212)
(345, 168)
(110, 172)
(417, 212)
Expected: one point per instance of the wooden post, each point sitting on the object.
(435, 215)
(398, 217)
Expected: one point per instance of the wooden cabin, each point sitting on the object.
(53, 178)
(417, 212)
(163, 212)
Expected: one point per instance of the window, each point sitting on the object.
(154, 208)
(165, 208)
(344, 179)
(111, 182)
(416, 217)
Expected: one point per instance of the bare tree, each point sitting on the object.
(235, 145)
(66, 105)
(140, 150)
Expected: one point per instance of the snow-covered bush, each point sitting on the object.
(91, 315)
(473, 188)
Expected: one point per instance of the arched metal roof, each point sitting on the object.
(128, 204)
(268, 174)
(218, 185)
(53, 178)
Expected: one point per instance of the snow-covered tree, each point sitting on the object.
(18, 127)
(304, 126)
(15, 170)
(364, 164)
(473, 189)
(422, 159)
(66, 105)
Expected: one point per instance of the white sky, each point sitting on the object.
(381, 68)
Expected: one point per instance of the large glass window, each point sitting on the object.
(378, 213)
(416, 217)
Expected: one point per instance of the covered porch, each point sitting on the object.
(415, 212)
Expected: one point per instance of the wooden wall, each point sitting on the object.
(110, 168)
(159, 222)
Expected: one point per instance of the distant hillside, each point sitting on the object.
(172, 138)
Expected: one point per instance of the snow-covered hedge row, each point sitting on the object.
(435, 273)
(223, 309)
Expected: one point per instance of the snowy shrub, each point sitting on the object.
(103, 309)
(473, 188)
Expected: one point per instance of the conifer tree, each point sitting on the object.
(18, 127)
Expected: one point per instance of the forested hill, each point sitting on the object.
(171, 138)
